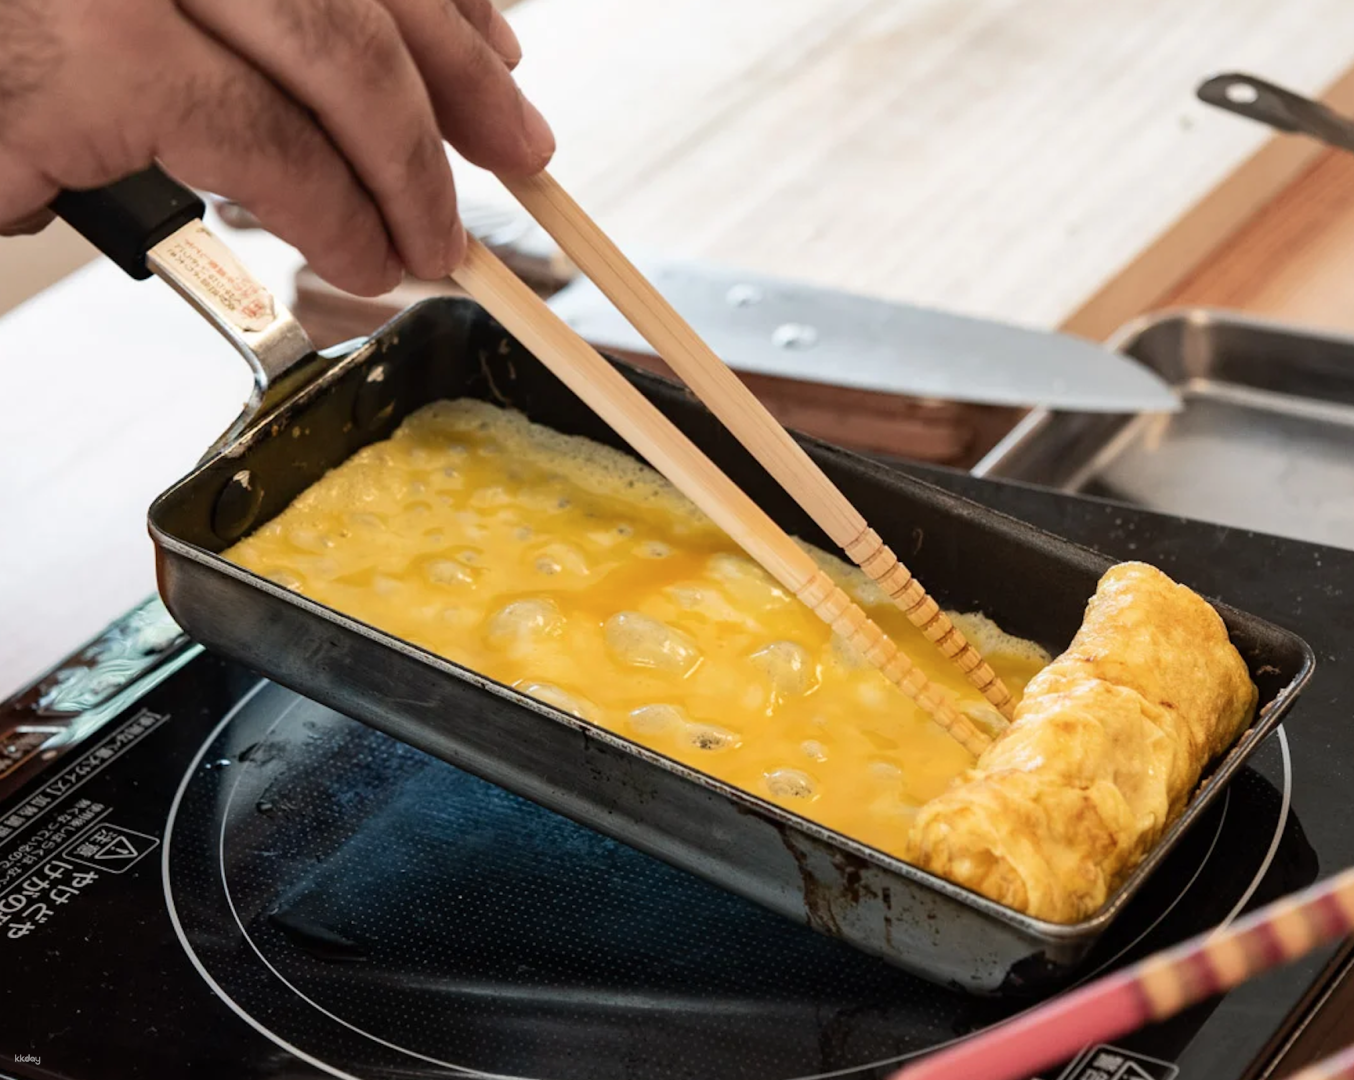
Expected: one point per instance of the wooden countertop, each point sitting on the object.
(1293, 261)
(1041, 161)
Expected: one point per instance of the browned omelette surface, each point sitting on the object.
(1106, 748)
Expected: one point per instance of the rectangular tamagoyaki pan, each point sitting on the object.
(319, 410)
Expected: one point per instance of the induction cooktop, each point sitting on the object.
(204, 874)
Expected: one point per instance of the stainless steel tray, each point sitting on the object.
(1265, 441)
(1031, 582)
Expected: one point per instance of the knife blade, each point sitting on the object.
(769, 326)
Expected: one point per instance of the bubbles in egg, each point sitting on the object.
(640, 641)
(288, 579)
(687, 596)
(573, 704)
(710, 602)
(790, 784)
(736, 569)
(522, 622)
(710, 737)
(658, 719)
(447, 572)
(745, 581)
(562, 558)
(309, 538)
(489, 497)
(704, 661)
(788, 666)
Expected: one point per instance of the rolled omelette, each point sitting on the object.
(1105, 749)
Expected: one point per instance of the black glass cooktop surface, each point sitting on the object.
(220, 878)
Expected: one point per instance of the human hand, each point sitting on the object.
(324, 118)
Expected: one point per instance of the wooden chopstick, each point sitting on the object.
(580, 367)
(1152, 989)
(744, 415)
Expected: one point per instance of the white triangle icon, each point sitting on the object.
(117, 848)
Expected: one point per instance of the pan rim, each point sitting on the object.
(1040, 931)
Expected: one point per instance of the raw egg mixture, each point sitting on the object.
(579, 576)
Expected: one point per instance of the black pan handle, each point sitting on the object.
(148, 223)
(127, 218)
(1281, 109)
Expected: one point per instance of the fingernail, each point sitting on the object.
(540, 139)
(502, 40)
(456, 246)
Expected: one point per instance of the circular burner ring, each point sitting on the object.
(463, 1070)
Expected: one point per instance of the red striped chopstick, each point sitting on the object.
(1152, 989)
(1336, 1067)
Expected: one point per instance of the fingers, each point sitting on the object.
(140, 82)
(323, 117)
(24, 195)
(225, 127)
(346, 61)
(489, 22)
(478, 105)
(28, 226)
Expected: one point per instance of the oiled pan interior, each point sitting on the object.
(447, 349)
(1033, 584)
(971, 558)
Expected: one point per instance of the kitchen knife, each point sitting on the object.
(768, 326)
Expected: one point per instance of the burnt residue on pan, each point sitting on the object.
(818, 895)
(845, 887)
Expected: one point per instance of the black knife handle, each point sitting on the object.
(128, 217)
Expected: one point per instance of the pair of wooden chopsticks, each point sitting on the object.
(607, 392)
(1156, 988)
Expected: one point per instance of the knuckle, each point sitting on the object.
(229, 124)
(31, 54)
(476, 12)
(379, 52)
(425, 162)
(360, 34)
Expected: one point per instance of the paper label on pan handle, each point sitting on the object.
(200, 261)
